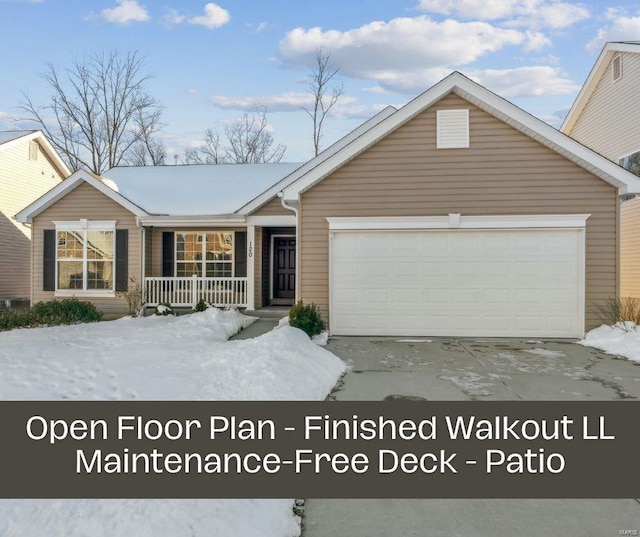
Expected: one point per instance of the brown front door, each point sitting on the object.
(284, 270)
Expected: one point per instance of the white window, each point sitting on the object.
(85, 258)
(453, 129)
(616, 67)
(631, 162)
(204, 253)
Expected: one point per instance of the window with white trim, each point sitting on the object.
(85, 257)
(204, 253)
(631, 162)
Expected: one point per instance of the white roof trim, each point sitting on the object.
(191, 221)
(491, 103)
(598, 69)
(457, 221)
(267, 195)
(61, 190)
(46, 145)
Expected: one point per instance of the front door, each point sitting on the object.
(284, 270)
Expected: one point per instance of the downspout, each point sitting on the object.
(294, 208)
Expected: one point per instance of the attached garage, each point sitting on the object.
(458, 276)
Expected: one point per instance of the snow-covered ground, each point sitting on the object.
(622, 339)
(159, 358)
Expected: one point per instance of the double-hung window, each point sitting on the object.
(204, 253)
(85, 255)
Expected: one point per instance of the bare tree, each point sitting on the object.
(247, 141)
(318, 84)
(209, 152)
(99, 114)
(148, 150)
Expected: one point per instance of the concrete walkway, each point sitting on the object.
(476, 369)
(261, 326)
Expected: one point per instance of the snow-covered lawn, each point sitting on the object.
(622, 339)
(159, 358)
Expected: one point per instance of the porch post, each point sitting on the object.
(251, 266)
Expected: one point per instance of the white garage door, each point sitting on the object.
(509, 283)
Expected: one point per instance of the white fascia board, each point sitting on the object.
(191, 221)
(608, 171)
(285, 220)
(455, 221)
(59, 191)
(589, 86)
(267, 195)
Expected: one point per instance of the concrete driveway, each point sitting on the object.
(476, 369)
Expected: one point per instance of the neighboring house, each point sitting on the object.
(458, 214)
(606, 117)
(29, 167)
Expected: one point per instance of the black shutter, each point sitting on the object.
(122, 260)
(240, 254)
(168, 239)
(49, 261)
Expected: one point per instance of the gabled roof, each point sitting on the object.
(200, 189)
(606, 55)
(491, 103)
(9, 139)
(62, 189)
(265, 196)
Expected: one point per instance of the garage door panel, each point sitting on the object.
(465, 283)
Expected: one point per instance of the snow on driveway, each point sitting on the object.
(159, 358)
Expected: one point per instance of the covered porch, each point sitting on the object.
(225, 264)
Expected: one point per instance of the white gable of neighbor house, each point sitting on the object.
(606, 115)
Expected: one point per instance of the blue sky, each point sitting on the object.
(213, 61)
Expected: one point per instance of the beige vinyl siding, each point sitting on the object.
(630, 249)
(503, 172)
(610, 120)
(22, 181)
(87, 202)
(272, 208)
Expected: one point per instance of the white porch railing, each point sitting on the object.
(189, 291)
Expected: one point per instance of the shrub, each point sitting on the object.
(200, 306)
(307, 317)
(134, 297)
(619, 310)
(67, 311)
(164, 309)
(51, 313)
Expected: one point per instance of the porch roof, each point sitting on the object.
(192, 190)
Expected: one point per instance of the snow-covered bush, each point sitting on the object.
(307, 318)
(164, 309)
(200, 306)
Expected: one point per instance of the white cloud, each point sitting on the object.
(548, 13)
(127, 11)
(292, 101)
(355, 111)
(214, 17)
(389, 51)
(621, 28)
(536, 41)
(528, 81)
(261, 26)
(173, 17)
